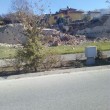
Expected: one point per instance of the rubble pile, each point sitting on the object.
(12, 34)
(52, 37)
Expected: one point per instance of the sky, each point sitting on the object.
(55, 5)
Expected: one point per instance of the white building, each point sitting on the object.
(94, 14)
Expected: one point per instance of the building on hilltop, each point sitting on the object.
(67, 13)
(94, 14)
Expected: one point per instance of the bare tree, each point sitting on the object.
(21, 5)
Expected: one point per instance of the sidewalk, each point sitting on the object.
(65, 57)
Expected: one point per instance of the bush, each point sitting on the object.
(32, 55)
(52, 60)
(99, 54)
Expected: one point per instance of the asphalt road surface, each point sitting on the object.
(73, 91)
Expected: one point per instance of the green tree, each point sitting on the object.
(33, 52)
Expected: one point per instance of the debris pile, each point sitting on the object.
(52, 37)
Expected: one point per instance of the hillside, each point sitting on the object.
(97, 27)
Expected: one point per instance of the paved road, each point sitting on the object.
(74, 91)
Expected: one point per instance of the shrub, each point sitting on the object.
(52, 60)
(32, 55)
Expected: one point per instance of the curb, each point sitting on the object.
(55, 72)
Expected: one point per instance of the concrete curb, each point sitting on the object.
(56, 71)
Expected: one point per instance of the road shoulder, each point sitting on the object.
(56, 71)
